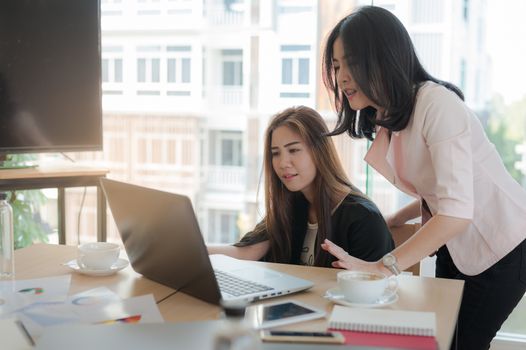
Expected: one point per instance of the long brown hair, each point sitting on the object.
(331, 184)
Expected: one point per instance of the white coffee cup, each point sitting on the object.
(97, 255)
(365, 287)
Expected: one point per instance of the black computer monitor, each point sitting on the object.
(50, 76)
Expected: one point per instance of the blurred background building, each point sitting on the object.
(189, 86)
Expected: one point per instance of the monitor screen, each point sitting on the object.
(50, 80)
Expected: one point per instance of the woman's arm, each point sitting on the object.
(400, 217)
(434, 234)
(250, 252)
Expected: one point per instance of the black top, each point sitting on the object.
(357, 226)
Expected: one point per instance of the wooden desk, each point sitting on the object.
(45, 260)
(441, 296)
(415, 293)
(59, 176)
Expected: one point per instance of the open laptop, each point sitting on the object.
(163, 242)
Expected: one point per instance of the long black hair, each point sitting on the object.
(383, 63)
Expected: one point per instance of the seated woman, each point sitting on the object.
(308, 198)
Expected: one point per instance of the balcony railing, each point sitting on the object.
(225, 177)
(219, 14)
(225, 96)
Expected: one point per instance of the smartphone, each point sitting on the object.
(280, 313)
(302, 337)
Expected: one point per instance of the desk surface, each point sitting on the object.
(45, 260)
(441, 296)
(47, 170)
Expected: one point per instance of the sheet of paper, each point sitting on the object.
(37, 316)
(53, 313)
(95, 306)
(15, 295)
(93, 298)
(141, 309)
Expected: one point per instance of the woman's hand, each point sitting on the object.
(345, 261)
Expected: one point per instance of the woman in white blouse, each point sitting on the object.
(432, 147)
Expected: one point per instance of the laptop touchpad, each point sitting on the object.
(256, 274)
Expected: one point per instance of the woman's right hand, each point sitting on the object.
(345, 261)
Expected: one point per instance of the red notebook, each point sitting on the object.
(410, 342)
(414, 330)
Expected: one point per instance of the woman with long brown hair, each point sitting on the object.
(308, 198)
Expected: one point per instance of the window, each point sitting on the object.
(222, 226)
(112, 69)
(178, 70)
(226, 148)
(294, 67)
(149, 70)
(232, 67)
(148, 64)
(178, 64)
(295, 70)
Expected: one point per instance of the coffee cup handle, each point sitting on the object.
(80, 262)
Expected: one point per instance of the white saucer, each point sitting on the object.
(119, 265)
(336, 296)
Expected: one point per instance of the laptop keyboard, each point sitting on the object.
(236, 286)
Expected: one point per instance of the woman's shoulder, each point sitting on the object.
(361, 228)
(357, 206)
(439, 110)
(434, 93)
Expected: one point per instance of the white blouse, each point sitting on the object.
(449, 162)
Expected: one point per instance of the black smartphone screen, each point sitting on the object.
(286, 310)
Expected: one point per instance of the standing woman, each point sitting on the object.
(308, 198)
(432, 147)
